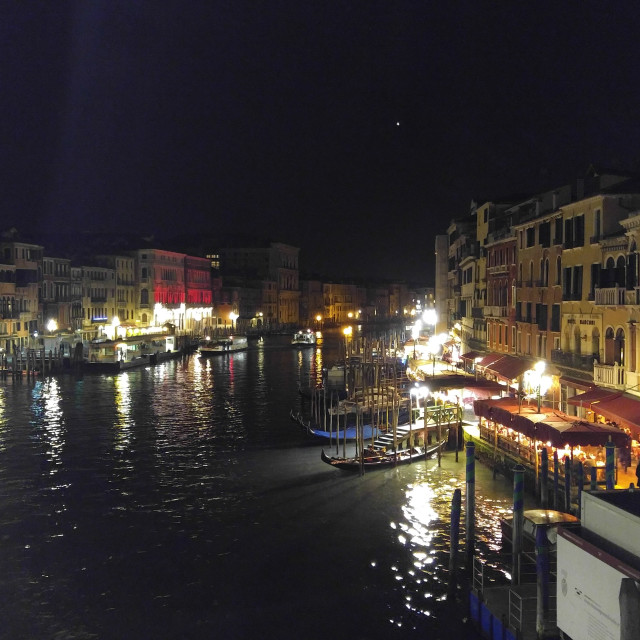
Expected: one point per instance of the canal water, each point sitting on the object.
(180, 501)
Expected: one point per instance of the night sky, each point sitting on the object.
(354, 130)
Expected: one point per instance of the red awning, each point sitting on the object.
(484, 388)
(471, 355)
(623, 409)
(581, 434)
(550, 426)
(509, 367)
(596, 394)
(576, 383)
(489, 359)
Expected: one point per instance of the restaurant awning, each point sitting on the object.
(623, 409)
(548, 426)
(596, 394)
(485, 388)
(471, 355)
(581, 434)
(576, 383)
(509, 367)
(489, 359)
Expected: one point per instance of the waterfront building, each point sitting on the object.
(9, 313)
(441, 284)
(161, 295)
(538, 295)
(311, 303)
(125, 270)
(98, 300)
(340, 301)
(500, 308)
(277, 263)
(198, 295)
(462, 245)
(55, 294)
(20, 268)
(77, 312)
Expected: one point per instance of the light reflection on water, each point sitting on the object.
(181, 501)
(424, 533)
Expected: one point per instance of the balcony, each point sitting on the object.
(494, 311)
(573, 360)
(609, 375)
(616, 296)
(498, 269)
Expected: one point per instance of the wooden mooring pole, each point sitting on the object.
(456, 505)
(518, 517)
(470, 503)
(544, 478)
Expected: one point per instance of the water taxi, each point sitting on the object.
(304, 339)
(137, 351)
(226, 344)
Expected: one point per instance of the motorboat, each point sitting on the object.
(304, 339)
(226, 344)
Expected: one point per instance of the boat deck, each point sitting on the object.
(494, 613)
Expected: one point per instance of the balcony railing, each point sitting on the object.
(498, 268)
(616, 296)
(573, 360)
(496, 311)
(610, 375)
(611, 296)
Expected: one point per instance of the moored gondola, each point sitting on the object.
(381, 458)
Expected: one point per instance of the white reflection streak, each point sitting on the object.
(3, 420)
(123, 409)
(52, 420)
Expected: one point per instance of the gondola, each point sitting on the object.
(382, 459)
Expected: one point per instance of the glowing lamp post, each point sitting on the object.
(538, 381)
(415, 334)
(52, 326)
(233, 317)
(430, 317)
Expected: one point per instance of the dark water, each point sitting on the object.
(181, 501)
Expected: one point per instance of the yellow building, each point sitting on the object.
(593, 331)
(616, 300)
(538, 295)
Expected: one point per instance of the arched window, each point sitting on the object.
(621, 270)
(608, 346)
(531, 273)
(545, 280)
(595, 343)
(541, 272)
(144, 296)
(558, 270)
(618, 347)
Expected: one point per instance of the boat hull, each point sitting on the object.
(387, 459)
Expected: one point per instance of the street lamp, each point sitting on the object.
(233, 317)
(415, 334)
(430, 317)
(537, 382)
